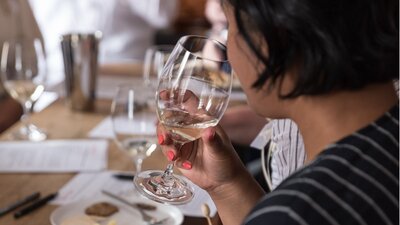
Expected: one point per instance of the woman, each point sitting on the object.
(329, 66)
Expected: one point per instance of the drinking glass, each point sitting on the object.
(192, 94)
(155, 58)
(133, 123)
(23, 74)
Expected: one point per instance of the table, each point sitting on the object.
(62, 123)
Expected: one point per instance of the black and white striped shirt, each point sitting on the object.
(354, 181)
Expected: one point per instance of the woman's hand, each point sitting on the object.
(209, 161)
(212, 164)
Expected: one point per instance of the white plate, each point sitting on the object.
(75, 213)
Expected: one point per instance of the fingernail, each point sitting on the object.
(170, 155)
(187, 165)
(160, 139)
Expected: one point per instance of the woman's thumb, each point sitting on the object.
(211, 138)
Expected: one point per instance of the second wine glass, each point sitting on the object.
(155, 58)
(192, 94)
(23, 74)
(154, 61)
(133, 123)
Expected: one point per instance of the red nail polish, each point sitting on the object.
(160, 139)
(170, 155)
(187, 165)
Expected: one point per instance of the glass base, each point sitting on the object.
(173, 190)
(29, 133)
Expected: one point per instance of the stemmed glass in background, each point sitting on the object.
(192, 94)
(23, 75)
(155, 58)
(154, 61)
(133, 123)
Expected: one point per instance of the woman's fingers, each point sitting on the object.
(187, 155)
(214, 137)
(166, 143)
(183, 157)
(211, 142)
(163, 136)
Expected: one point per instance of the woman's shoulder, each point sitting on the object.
(375, 146)
(353, 181)
(324, 193)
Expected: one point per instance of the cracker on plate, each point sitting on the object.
(102, 209)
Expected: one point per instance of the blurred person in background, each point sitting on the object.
(216, 17)
(128, 28)
(16, 22)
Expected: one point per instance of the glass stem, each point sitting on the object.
(138, 164)
(169, 170)
(26, 114)
(168, 173)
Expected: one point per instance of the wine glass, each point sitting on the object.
(155, 58)
(23, 74)
(192, 94)
(133, 123)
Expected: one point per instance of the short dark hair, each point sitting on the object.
(336, 44)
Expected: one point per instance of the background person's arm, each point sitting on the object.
(10, 112)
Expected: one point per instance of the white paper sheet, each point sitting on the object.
(89, 185)
(45, 100)
(102, 130)
(53, 156)
(105, 130)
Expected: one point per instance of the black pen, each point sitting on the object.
(122, 176)
(19, 203)
(35, 205)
